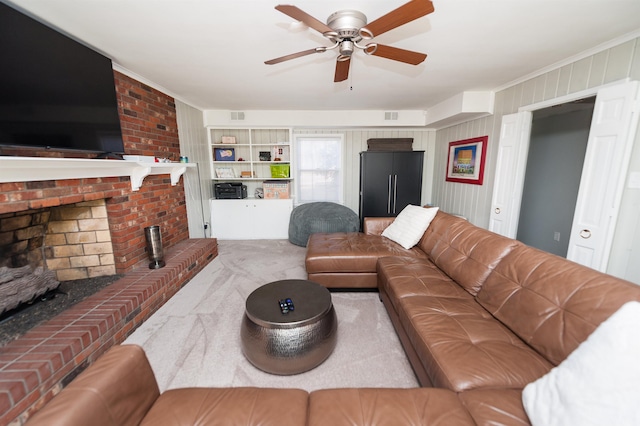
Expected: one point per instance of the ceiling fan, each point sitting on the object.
(347, 28)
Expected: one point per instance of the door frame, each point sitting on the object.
(587, 93)
(557, 101)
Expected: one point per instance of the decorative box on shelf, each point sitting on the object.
(276, 189)
(280, 153)
(280, 171)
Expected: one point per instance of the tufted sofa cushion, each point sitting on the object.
(384, 406)
(336, 252)
(463, 251)
(459, 345)
(495, 406)
(552, 304)
(229, 406)
(118, 390)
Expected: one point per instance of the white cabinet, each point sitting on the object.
(250, 219)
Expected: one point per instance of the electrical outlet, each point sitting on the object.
(556, 236)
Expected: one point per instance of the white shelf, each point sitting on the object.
(240, 163)
(252, 178)
(28, 169)
(250, 142)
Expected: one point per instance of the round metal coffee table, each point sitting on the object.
(289, 326)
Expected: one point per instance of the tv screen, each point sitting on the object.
(54, 91)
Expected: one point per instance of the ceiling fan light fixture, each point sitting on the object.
(347, 47)
(347, 28)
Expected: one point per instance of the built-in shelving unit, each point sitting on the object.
(251, 155)
(28, 169)
(248, 155)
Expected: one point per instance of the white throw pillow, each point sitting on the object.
(409, 226)
(598, 383)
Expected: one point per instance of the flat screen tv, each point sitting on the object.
(54, 91)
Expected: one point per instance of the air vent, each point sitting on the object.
(237, 115)
(391, 115)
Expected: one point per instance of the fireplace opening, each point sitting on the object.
(51, 258)
(18, 321)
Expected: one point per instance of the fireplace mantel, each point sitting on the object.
(26, 169)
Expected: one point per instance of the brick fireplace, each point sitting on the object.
(37, 366)
(149, 127)
(73, 240)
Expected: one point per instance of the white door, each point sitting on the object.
(615, 118)
(515, 132)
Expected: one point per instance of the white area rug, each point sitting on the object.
(194, 339)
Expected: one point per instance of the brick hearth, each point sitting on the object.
(38, 365)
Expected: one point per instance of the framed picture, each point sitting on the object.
(225, 172)
(264, 156)
(465, 163)
(228, 139)
(225, 154)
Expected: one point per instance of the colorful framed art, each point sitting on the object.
(224, 154)
(465, 161)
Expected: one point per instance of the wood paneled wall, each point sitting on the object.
(198, 186)
(474, 201)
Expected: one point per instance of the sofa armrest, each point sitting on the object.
(117, 390)
(375, 225)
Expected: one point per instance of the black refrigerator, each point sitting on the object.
(389, 181)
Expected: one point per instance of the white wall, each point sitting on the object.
(609, 65)
(198, 188)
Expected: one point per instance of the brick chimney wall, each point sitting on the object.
(149, 127)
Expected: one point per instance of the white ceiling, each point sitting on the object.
(210, 53)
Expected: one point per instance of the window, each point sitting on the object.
(319, 170)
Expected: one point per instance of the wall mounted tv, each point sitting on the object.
(54, 92)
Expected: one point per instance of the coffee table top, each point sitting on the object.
(311, 301)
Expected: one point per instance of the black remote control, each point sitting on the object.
(286, 305)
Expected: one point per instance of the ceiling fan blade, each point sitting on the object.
(304, 17)
(401, 55)
(342, 70)
(295, 55)
(406, 13)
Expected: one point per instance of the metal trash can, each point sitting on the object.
(154, 247)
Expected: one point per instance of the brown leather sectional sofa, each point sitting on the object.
(120, 390)
(477, 313)
(479, 316)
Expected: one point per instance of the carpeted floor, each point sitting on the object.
(194, 339)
